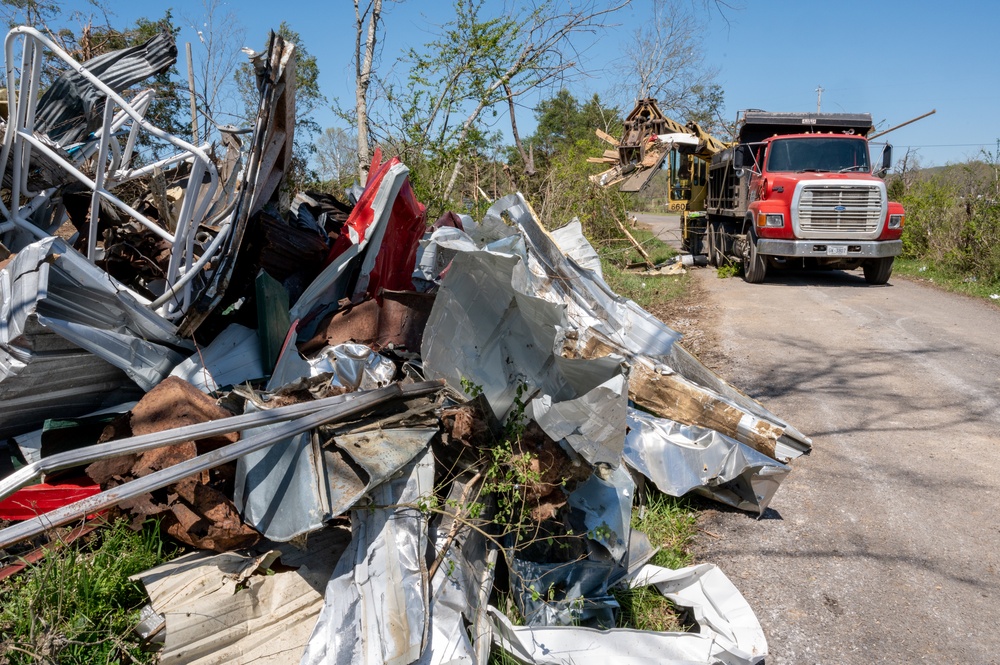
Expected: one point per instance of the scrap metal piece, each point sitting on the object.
(460, 630)
(607, 508)
(358, 404)
(729, 633)
(590, 302)
(362, 237)
(683, 458)
(268, 163)
(397, 322)
(593, 425)
(232, 358)
(258, 614)
(565, 593)
(66, 324)
(136, 444)
(295, 486)
(72, 107)
(485, 332)
(50, 284)
(575, 246)
(375, 607)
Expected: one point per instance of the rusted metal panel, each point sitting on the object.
(397, 322)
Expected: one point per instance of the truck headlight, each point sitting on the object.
(771, 219)
(895, 221)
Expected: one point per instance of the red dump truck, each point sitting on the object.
(800, 190)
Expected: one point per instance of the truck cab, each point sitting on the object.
(799, 190)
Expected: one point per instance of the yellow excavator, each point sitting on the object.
(651, 139)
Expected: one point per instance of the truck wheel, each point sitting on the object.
(754, 265)
(712, 250)
(877, 271)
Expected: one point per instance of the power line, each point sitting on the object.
(948, 145)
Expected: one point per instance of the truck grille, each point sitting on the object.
(833, 209)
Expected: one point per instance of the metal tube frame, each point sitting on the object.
(19, 141)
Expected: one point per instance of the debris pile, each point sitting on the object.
(371, 428)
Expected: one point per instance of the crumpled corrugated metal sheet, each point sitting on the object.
(729, 633)
(684, 458)
(591, 424)
(484, 331)
(65, 325)
(375, 610)
(71, 108)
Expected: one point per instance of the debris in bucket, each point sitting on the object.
(391, 441)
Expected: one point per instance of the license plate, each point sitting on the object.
(840, 250)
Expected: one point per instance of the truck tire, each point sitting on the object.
(877, 271)
(754, 264)
(711, 249)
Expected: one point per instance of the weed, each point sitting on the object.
(78, 606)
(728, 270)
(948, 278)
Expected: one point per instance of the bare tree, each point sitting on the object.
(366, 25)
(221, 35)
(336, 156)
(480, 62)
(665, 58)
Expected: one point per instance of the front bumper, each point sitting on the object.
(847, 249)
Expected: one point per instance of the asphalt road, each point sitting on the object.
(666, 227)
(883, 545)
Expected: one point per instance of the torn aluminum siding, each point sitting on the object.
(375, 610)
(590, 301)
(460, 629)
(683, 458)
(606, 504)
(71, 108)
(729, 633)
(592, 425)
(258, 615)
(484, 331)
(71, 336)
(574, 245)
(296, 485)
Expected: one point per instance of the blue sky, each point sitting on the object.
(891, 58)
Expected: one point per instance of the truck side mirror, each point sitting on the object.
(886, 157)
(738, 157)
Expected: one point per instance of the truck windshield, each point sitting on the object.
(818, 154)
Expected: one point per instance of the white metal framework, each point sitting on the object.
(110, 168)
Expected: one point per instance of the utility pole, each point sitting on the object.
(819, 97)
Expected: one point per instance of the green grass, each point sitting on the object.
(670, 525)
(646, 290)
(947, 279)
(78, 605)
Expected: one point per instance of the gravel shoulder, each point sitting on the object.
(883, 545)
